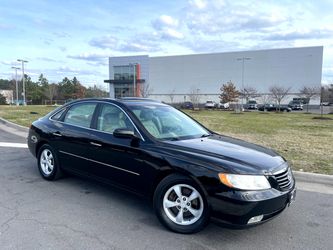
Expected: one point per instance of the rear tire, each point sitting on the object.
(48, 164)
(181, 205)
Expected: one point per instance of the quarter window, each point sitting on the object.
(111, 118)
(80, 114)
(58, 115)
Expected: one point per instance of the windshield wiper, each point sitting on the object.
(204, 135)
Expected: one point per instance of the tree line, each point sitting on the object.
(229, 93)
(42, 90)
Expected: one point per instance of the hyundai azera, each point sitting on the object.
(189, 172)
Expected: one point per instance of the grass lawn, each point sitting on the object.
(305, 142)
(21, 114)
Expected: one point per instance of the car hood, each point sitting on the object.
(230, 154)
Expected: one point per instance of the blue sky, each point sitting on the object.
(74, 38)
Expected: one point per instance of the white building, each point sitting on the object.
(175, 77)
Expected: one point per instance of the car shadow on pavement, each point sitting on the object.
(89, 192)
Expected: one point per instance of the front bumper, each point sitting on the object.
(238, 207)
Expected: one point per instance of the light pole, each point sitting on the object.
(134, 76)
(243, 60)
(23, 83)
(198, 98)
(16, 68)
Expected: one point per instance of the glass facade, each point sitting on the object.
(125, 75)
(123, 90)
(125, 72)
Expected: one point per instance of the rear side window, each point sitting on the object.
(58, 115)
(80, 114)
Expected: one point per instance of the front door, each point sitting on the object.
(116, 159)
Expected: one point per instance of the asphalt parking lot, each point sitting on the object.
(75, 213)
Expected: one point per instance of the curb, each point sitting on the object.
(14, 125)
(313, 178)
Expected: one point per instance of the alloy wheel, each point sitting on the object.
(46, 162)
(183, 204)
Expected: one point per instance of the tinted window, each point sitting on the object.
(58, 115)
(80, 114)
(111, 118)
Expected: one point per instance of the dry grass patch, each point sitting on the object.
(21, 114)
(306, 143)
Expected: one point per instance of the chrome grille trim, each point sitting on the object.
(284, 178)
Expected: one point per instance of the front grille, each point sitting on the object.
(284, 179)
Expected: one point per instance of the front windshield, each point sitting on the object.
(168, 123)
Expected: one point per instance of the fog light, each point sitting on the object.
(255, 219)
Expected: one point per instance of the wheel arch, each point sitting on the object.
(169, 171)
(39, 145)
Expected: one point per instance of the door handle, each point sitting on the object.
(57, 134)
(96, 144)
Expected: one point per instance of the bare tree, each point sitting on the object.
(265, 99)
(279, 93)
(229, 93)
(194, 96)
(51, 91)
(308, 93)
(172, 95)
(145, 90)
(248, 92)
(326, 96)
(327, 93)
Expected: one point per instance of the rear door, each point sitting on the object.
(74, 136)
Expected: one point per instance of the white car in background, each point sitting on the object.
(223, 105)
(210, 105)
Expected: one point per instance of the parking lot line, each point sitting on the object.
(13, 145)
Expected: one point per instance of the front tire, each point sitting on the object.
(48, 164)
(181, 205)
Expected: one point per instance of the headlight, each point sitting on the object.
(245, 182)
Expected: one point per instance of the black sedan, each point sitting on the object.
(189, 172)
(273, 107)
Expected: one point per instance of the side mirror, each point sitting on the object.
(124, 133)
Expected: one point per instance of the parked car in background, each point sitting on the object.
(251, 104)
(187, 105)
(274, 107)
(223, 105)
(294, 105)
(210, 105)
(189, 172)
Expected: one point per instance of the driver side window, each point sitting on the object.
(111, 118)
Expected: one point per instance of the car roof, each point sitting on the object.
(127, 101)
